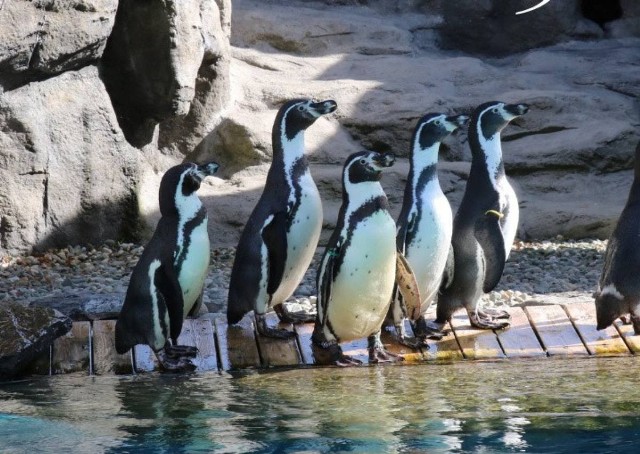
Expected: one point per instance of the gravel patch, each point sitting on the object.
(537, 272)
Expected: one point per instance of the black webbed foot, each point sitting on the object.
(482, 321)
(331, 353)
(174, 364)
(295, 313)
(276, 333)
(494, 313)
(427, 330)
(180, 351)
(377, 352)
(635, 321)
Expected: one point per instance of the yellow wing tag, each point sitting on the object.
(497, 214)
(408, 287)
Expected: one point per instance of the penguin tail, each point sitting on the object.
(608, 309)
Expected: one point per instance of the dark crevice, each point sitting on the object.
(547, 130)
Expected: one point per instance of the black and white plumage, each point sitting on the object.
(618, 292)
(357, 272)
(281, 235)
(485, 225)
(167, 282)
(425, 223)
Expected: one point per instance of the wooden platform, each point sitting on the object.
(535, 332)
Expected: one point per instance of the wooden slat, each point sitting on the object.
(71, 351)
(555, 330)
(356, 349)
(199, 333)
(146, 360)
(475, 343)
(105, 359)
(238, 349)
(605, 342)
(629, 335)
(278, 352)
(304, 332)
(519, 340)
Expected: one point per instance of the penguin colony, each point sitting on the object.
(375, 272)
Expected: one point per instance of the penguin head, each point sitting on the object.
(366, 166)
(434, 127)
(180, 182)
(495, 115)
(298, 114)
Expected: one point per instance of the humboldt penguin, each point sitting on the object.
(618, 292)
(167, 282)
(485, 225)
(357, 272)
(281, 235)
(425, 224)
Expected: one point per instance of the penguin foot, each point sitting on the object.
(379, 354)
(276, 333)
(486, 322)
(295, 313)
(427, 330)
(413, 343)
(332, 354)
(174, 364)
(180, 351)
(494, 313)
(635, 321)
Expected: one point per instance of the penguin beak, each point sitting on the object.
(384, 160)
(206, 170)
(324, 107)
(517, 109)
(457, 121)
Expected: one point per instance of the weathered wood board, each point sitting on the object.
(238, 349)
(475, 343)
(626, 331)
(605, 342)
(556, 331)
(304, 332)
(392, 346)
(105, 359)
(519, 340)
(278, 352)
(71, 351)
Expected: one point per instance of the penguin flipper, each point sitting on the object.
(167, 283)
(449, 268)
(274, 236)
(489, 235)
(326, 277)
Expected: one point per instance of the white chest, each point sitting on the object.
(195, 266)
(361, 293)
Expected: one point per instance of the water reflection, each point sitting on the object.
(542, 406)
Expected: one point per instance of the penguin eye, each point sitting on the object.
(301, 108)
(438, 122)
(494, 110)
(363, 161)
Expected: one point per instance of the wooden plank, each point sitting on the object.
(445, 349)
(304, 332)
(220, 330)
(606, 342)
(520, 340)
(556, 331)
(626, 331)
(146, 360)
(475, 343)
(278, 352)
(199, 333)
(105, 359)
(356, 349)
(237, 343)
(71, 351)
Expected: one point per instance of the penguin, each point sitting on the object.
(281, 235)
(485, 225)
(618, 291)
(356, 276)
(167, 282)
(425, 223)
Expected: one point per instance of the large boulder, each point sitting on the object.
(39, 39)
(69, 176)
(27, 332)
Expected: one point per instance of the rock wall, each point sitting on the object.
(99, 97)
(96, 98)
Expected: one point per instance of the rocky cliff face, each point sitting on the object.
(99, 97)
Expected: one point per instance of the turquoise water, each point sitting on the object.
(539, 406)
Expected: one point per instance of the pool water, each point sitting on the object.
(540, 406)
